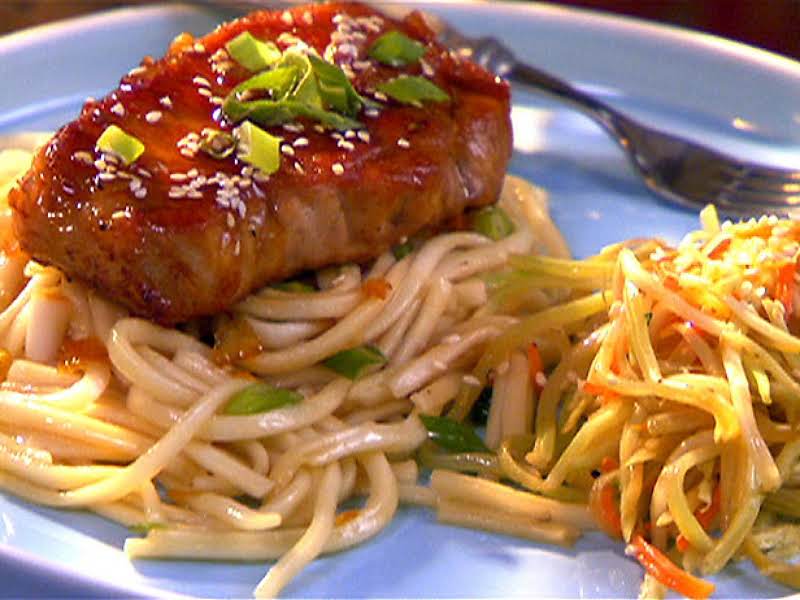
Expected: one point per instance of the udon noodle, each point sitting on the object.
(648, 391)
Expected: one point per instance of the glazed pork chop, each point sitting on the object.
(280, 142)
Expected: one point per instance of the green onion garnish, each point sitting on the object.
(217, 144)
(146, 527)
(278, 82)
(493, 222)
(452, 435)
(396, 49)
(269, 113)
(116, 141)
(335, 89)
(410, 89)
(259, 398)
(252, 53)
(258, 148)
(295, 287)
(400, 251)
(351, 363)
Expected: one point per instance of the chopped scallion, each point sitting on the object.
(400, 251)
(121, 144)
(396, 49)
(252, 53)
(351, 363)
(410, 89)
(217, 144)
(259, 398)
(278, 82)
(258, 148)
(452, 435)
(296, 287)
(493, 222)
(335, 89)
(269, 113)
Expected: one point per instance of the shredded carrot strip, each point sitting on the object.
(705, 516)
(665, 571)
(535, 364)
(784, 290)
(597, 389)
(376, 288)
(609, 463)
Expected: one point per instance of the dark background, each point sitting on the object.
(770, 24)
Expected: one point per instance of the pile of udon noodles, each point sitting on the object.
(114, 414)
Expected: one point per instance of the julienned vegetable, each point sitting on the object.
(259, 398)
(351, 363)
(396, 49)
(452, 435)
(121, 144)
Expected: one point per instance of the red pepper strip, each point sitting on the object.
(784, 290)
(665, 571)
(376, 288)
(720, 248)
(596, 389)
(609, 463)
(535, 364)
(671, 283)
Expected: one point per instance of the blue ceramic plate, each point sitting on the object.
(743, 99)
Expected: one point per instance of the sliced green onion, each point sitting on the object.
(217, 144)
(335, 89)
(278, 82)
(295, 287)
(269, 113)
(116, 141)
(259, 148)
(396, 49)
(252, 53)
(351, 363)
(306, 91)
(259, 398)
(452, 435)
(410, 89)
(493, 222)
(147, 527)
(400, 251)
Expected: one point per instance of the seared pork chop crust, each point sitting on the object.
(180, 234)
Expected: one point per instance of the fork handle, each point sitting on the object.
(541, 81)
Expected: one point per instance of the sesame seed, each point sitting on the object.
(319, 128)
(287, 18)
(217, 100)
(338, 18)
(186, 152)
(204, 92)
(83, 156)
(363, 135)
(349, 146)
(403, 143)
(179, 177)
(154, 116)
(100, 164)
(231, 220)
(361, 65)
(308, 18)
(260, 177)
(299, 168)
(287, 150)
(192, 173)
(177, 192)
(293, 127)
(471, 380)
(136, 71)
(140, 193)
(135, 184)
(349, 134)
(245, 183)
(427, 70)
(381, 96)
(300, 142)
(201, 81)
(118, 109)
(144, 173)
(198, 47)
(194, 194)
(105, 176)
(237, 247)
(337, 168)
(242, 209)
(372, 112)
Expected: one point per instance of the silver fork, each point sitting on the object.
(673, 167)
